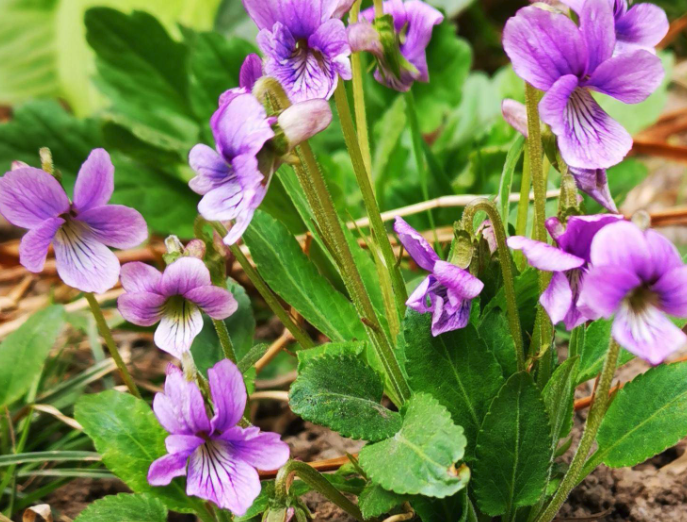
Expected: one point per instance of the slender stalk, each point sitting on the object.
(225, 340)
(317, 482)
(379, 8)
(506, 269)
(111, 345)
(359, 98)
(596, 415)
(523, 207)
(416, 136)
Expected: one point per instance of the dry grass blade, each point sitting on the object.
(42, 510)
(51, 410)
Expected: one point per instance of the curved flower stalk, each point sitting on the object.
(398, 43)
(593, 182)
(641, 26)
(567, 62)
(639, 276)
(447, 292)
(569, 262)
(218, 458)
(175, 299)
(249, 146)
(80, 231)
(304, 43)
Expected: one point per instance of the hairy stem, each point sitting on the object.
(111, 345)
(225, 340)
(523, 208)
(492, 212)
(359, 98)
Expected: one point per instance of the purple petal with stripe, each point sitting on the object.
(141, 308)
(183, 275)
(163, 470)
(643, 26)
(604, 288)
(416, 245)
(95, 181)
(210, 168)
(543, 256)
(217, 302)
(630, 77)
(116, 226)
(180, 409)
(34, 246)
(29, 196)
(672, 291)
(557, 299)
(139, 277)
(262, 450)
(181, 322)
(228, 394)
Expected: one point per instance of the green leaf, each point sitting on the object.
(457, 368)
(506, 183)
(290, 273)
(526, 296)
(254, 355)
(126, 433)
(445, 509)
(375, 500)
(23, 352)
(354, 349)
(647, 416)
(495, 332)
(559, 398)
(419, 458)
(48, 456)
(343, 393)
(124, 508)
(596, 339)
(513, 449)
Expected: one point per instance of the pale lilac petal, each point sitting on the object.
(183, 444)
(83, 262)
(181, 409)
(303, 120)
(29, 196)
(421, 19)
(587, 136)
(664, 255)
(214, 474)
(672, 291)
(648, 334)
(217, 302)
(239, 227)
(515, 114)
(543, 256)
(575, 5)
(141, 308)
(228, 394)
(418, 299)
(622, 245)
(604, 288)
(180, 324)
(447, 317)
(164, 469)
(330, 39)
(262, 450)
(339, 8)
(116, 226)
(597, 28)
(557, 299)
(630, 77)
(139, 277)
(301, 19)
(579, 232)
(184, 274)
(251, 71)
(33, 248)
(416, 245)
(210, 168)
(362, 36)
(457, 280)
(224, 202)
(644, 24)
(544, 46)
(95, 181)
(594, 183)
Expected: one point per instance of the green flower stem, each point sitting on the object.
(416, 136)
(359, 98)
(225, 340)
(523, 208)
(492, 212)
(316, 481)
(379, 8)
(536, 167)
(601, 402)
(111, 345)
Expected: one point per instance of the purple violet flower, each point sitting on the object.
(218, 458)
(568, 62)
(233, 179)
(80, 231)
(304, 43)
(447, 291)
(642, 26)
(638, 276)
(413, 22)
(569, 262)
(592, 182)
(175, 298)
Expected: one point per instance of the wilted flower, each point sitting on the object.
(80, 231)
(233, 179)
(399, 46)
(642, 26)
(447, 291)
(569, 262)
(175, 298)
(568, 62)
(592, 182)
(304, 43)
(218, 458)
(638, 276)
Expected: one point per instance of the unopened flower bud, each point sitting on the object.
(16, 165)
(195, 248)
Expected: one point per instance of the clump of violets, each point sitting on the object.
(447, 292)
(175, 299)
(398, 41)
(218, 457)
(80, 230)
(304, 43)
(234, 177)
(639, 276)
(567, 62)
(569, 262)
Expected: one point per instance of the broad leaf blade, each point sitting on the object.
(124, 508)
(559, 399)
(596, 339)
(375, 500)
(506, 183)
